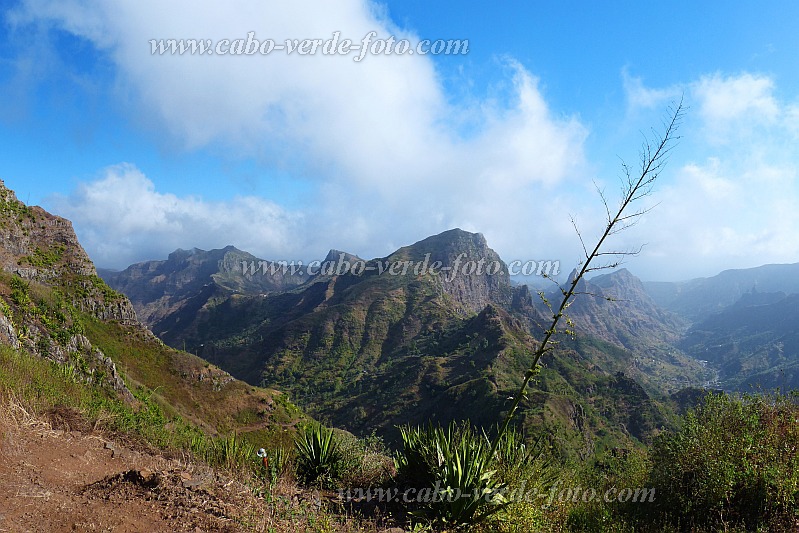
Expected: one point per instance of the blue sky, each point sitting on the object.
(287, 156)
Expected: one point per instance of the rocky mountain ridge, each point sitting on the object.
(472, 274)
(616, 307)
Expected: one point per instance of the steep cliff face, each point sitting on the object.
(48, 279)
(8, 333)
(39, 246)
(36, 244)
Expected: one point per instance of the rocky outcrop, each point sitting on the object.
(43, 250)
(42, 247)
(36, 244)
(8, 335)
(103, 368)
(470, 272)
(119, 309)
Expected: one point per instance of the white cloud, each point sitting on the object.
(732, 104)
(792, 121)
(731, 196)
(640, 96)
(389, 160)
(379, 137)
(121, 219)
(728, 98)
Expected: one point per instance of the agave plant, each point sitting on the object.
(455, 467)
(232, 452)
(317, 454)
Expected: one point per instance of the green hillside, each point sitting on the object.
(54, 308)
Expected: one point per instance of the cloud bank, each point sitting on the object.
(378, 138)
(391, 158)
(125, 218)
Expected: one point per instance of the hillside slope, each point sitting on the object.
(754, 343)
(54, 306)
(616, 310)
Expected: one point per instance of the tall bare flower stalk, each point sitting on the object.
(635, 186)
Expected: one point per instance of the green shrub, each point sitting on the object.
(20, 292)
(364, 463)
(5, 310)
(279, 463)
(519, 463)
(44, 259)
(733, 462)
(232, 452)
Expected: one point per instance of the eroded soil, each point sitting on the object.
(78, 480)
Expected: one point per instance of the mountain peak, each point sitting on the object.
(622, 283)
(334, 256)
(615, 307)
(181, 255)
(454, 238)
(204, 256)
(6, 194)
(623, 273)
(37, 244)
(470, 271)
(581, 287)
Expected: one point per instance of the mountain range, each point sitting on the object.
(373, 347)
(743, 324)
(697, 298)
(435, 332)
(367, 350)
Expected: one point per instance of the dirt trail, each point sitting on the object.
(57, 480)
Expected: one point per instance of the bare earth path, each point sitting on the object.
(56, 480)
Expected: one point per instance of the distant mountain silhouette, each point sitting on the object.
(698, 298)
(187, 279)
